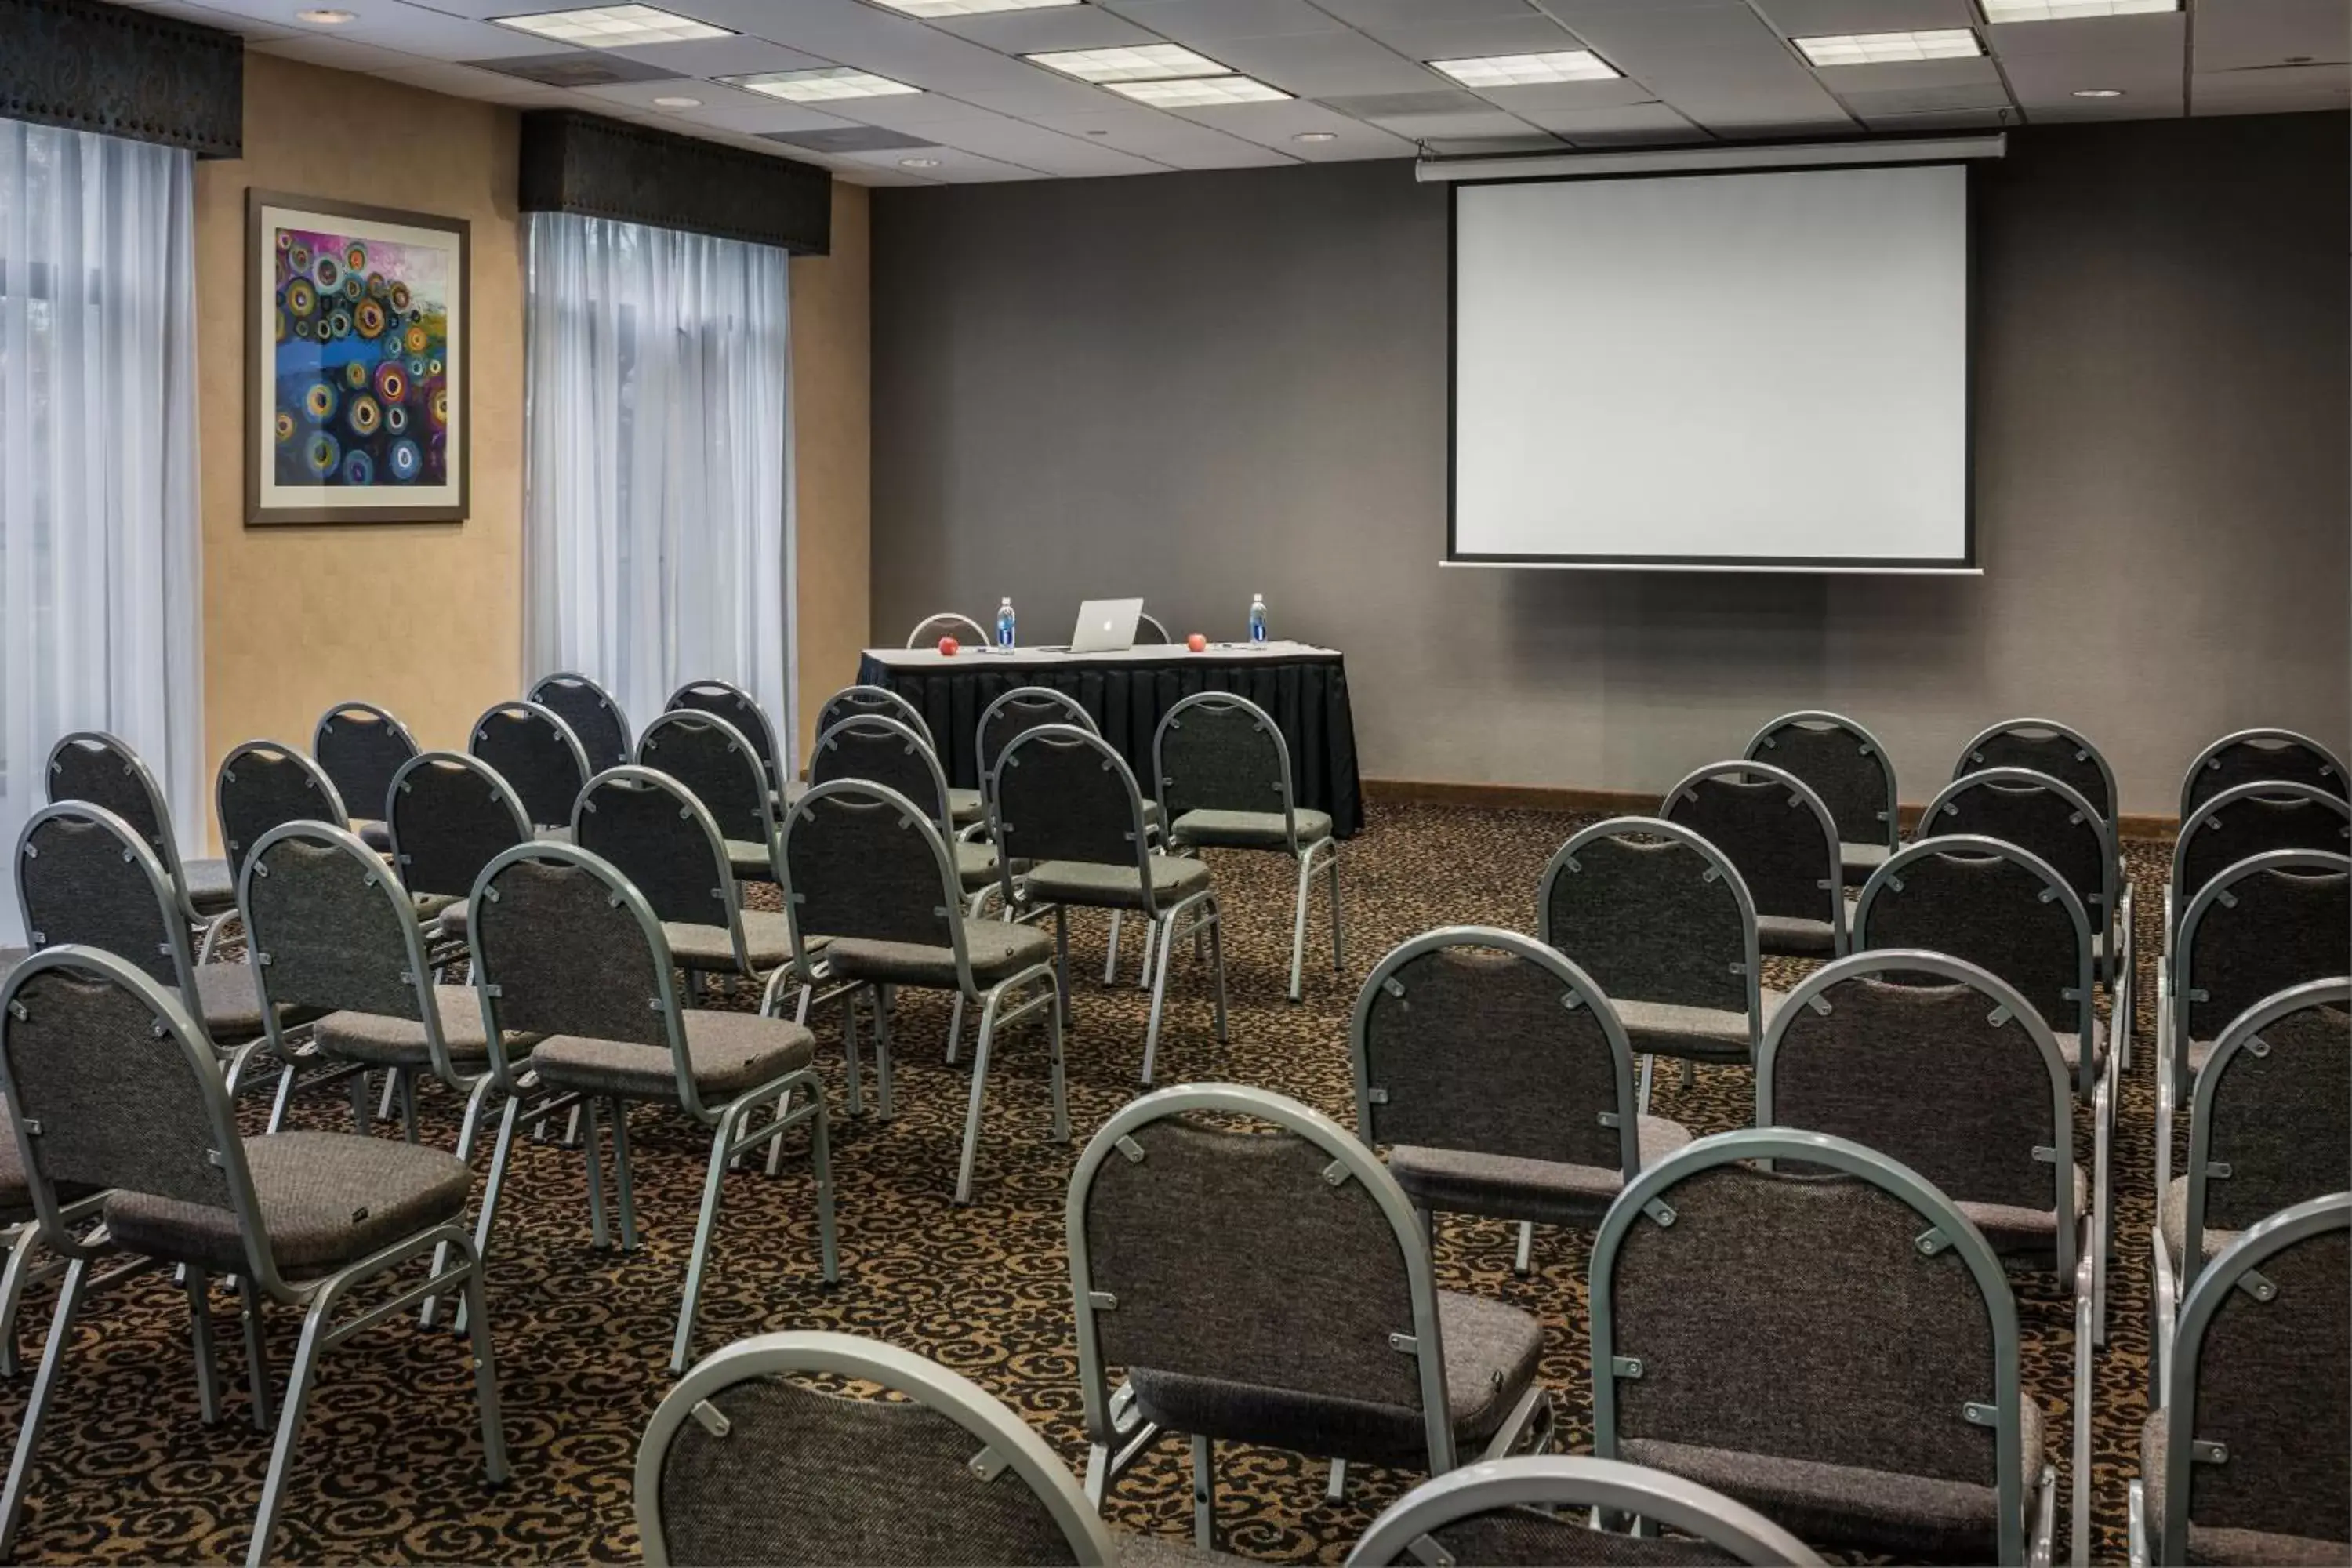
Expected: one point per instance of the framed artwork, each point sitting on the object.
(358, 335)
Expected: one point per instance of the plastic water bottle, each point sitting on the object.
(1004, 624)
(1257, 619)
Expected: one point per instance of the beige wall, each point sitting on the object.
(427, 618)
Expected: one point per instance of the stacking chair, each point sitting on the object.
(1275, 1288)
(1838, 1353)
(1146, 622)
(594, 714)
(451, 815)
(716, 765)
(1016, 712)
(1663, 922)
(948, 623)
(2272, 921)
(1499, 1078)
(2249, 1458)
(2248, 819)
(1770, 824)
(881, 702)
(1066, 804)
(2044, 746)
(652, 830)
(872, 870)
(1850, 771)
(735, 705)
(360, 746)
(742, 1464)
(261, 785)
(2268, 1127)
(539, 757)
(1222, 773)
(90, 766)
(1533, 1510)
(111, 1085)
(564, 948)
(2268, 756)
(889, 751)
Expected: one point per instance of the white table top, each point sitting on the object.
(1030, 658)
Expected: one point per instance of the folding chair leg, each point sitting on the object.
(469, 1131)
(856, 1097)
(622, 1191)
(361, 1109)
(200, 1340)
(1166, 937)
(1062, 958)
(1217, 953)
(2079, 1514)
(882, 1107)
(1336, 1489)
(406, 1078)
(1143, 970)
(1298, 920)
(955, 1029)
(257, 1351)
(1523, 1261)
(284, 1098)
(391, 1092)
(1339, 950)
(1110, 954)
(980, 1049)
(592, 1150)
(821, 1163)
(1649, 1071)
(36, 1410)
(486, 1373)
(289, 1423)
(699, 1259)
(13, 1280)
(1204, 1492)
(1061, 1096)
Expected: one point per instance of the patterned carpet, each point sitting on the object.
(388, 1467)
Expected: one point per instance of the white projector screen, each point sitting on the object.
(1733, 371)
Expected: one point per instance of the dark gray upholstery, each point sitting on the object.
(872, 702)
(1505, 1186)
(2066, 758)
(360, 747)
(807, 1477)
(1989, 909)
(730, 1053)
(333, 938)
(2232, 1547)
(975, 863)
(2281, 1119)
(1020, 710)
(858, 867)
(2254, 758)
(1098, 885)
(532, 749)
(78, 886)
(2279, 929)
(735, 705)
(210, 888)
(1063, 796)
(229, 1003)
(1843, 767)
(381, 1040)
(1249, 829)
(1796, 936)
(1646, 921)
(1530, 1538)
(719, 766)
(595, 718)
(2042, 823)
(648, 828)
(873, 750)
(1791, 870)
(327, 1199)
(449, 819)
(2172, 1221)
(566, 958)
(262, 787)
(1703, 1034)
(2223, 833)
(996, 950)
(106, 772)
(1220, 755)
(767, 942)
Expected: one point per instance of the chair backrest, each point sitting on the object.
(649, 827)
(1181, 1233)
(2270, 921)
(85, 878)
(1063, 793)
(1148, 622)
(592, 712)
(1844, 764)
(860, 860)
(2044, 746)
(735, 705)
(885, 752)
(1016, 712)
(538, 755)
(1994, 904)
(1770, 824)
(1482, 1040)
(261, 785)
(2268, 1123)
(1957, 1077)
(1216, 751)
(2249, 757)
(92, 766)
(2256, 1434)
(1653, 913)
(2041, 815)
(715, 761)
(362, 746)
(878, 701)
(451, 815)
(948, 623)
(2249, 818)
(1533, 1508)
(742, 1464)
(1728, 1300)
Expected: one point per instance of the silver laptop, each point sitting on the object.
(1106, 625)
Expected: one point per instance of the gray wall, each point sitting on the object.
(1197, 386)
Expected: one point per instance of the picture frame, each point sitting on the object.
(359, 338)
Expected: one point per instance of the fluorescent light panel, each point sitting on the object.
(1998, 11)
(1527, 70)
(1200, 91)
(824, 85)
(1889, 48)
(1141, 62)
(929, 9)
(612, 26)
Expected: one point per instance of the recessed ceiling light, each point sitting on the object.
(820, 85)
(1199, 92)
(2098, 93)
(1998, 11)
(1527, 70)
(1316, 136)
(919, 162)
(326, 18)
(970, 7)
(1143, 62)
(677, 103)
(612, 26)
(1890, 49)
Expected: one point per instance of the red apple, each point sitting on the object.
(948, 646)
(1197, 643)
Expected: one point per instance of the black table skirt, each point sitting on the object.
(1306, 694)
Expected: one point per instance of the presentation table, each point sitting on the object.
(1304, 687)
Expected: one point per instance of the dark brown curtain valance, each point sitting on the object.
(128, 73)
(574, 163)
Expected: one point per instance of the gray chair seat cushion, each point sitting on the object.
(1098, 886)
(16, 1187)
(964, 806)
(1505, 1186)
(2070, 1047)
(1859, 860)
(730, 1053)
(1491, 1350)
(2173, 1223)
(2207, 1544)
(1249, 829)
(749, 860)
(995, 949)
(433, 906)
(1793, 936)
(375, 834)
(767, 942)
(2013, 1229)
(552, 834)
(10, 957)
(327, 1199)
(1703, 1034)
(1912, 1517)
(380, 1040)
(229, 996)
(975, 865)
(211, 889)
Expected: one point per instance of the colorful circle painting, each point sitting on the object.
(396, 418)
(356, 375)
(390, 383)
(404, 461)
(320, 454)
(285, 425)
(370, 319)
(359, 468)
(365, 416)
(318, 403)
(329, 274)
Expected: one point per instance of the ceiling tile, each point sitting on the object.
(423, 32)
(2039, 79)
(1149, 134)
(336, 54)
(1430, 100)
(1563, 96)
(1682, 29)
(1056, 28)
(467, 81)
(1325, 65)
(1214, 21)
(2288, 89)
(252, 29)
(1379, 13)
(1968, 95)
(1810, 18)
(1532, 34)
(1041, 92)
(1278, 125)
(905, 111)
(1463, 124)
(955, 167)
(1774, 128)
(1896, 76)
(2155, 32)
(2232, 35)
(1619, 124)
(1035, 147)
(723, 57)
(577, 67)
(841, 140)
(1943, 119)
(1495, 146)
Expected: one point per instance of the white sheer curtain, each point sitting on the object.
(99, 533)
(658, 515)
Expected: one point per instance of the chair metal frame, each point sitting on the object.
(1970, 762)
(1800, 793)
(293, 757)
(385, 716)
(475, 736)
(1306, 855)
(1646, 1199)
(1006, 1441)
(2203, 819)
(1115, 1433)
(2236, 1269)
(1029, 696)
(863, 702)
(318, 1297)
(725, 892)
(993, 1014)
(738, 743)
(475, 768)
(2173, 1079)
(723, 1121)
(774, 754)
(950, 619)
(2330, 765)
(592, 688)
(1823, 719)
(1159, 628)
(164, 846)
(1404, 1531)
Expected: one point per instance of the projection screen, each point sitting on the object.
(1731, 371)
